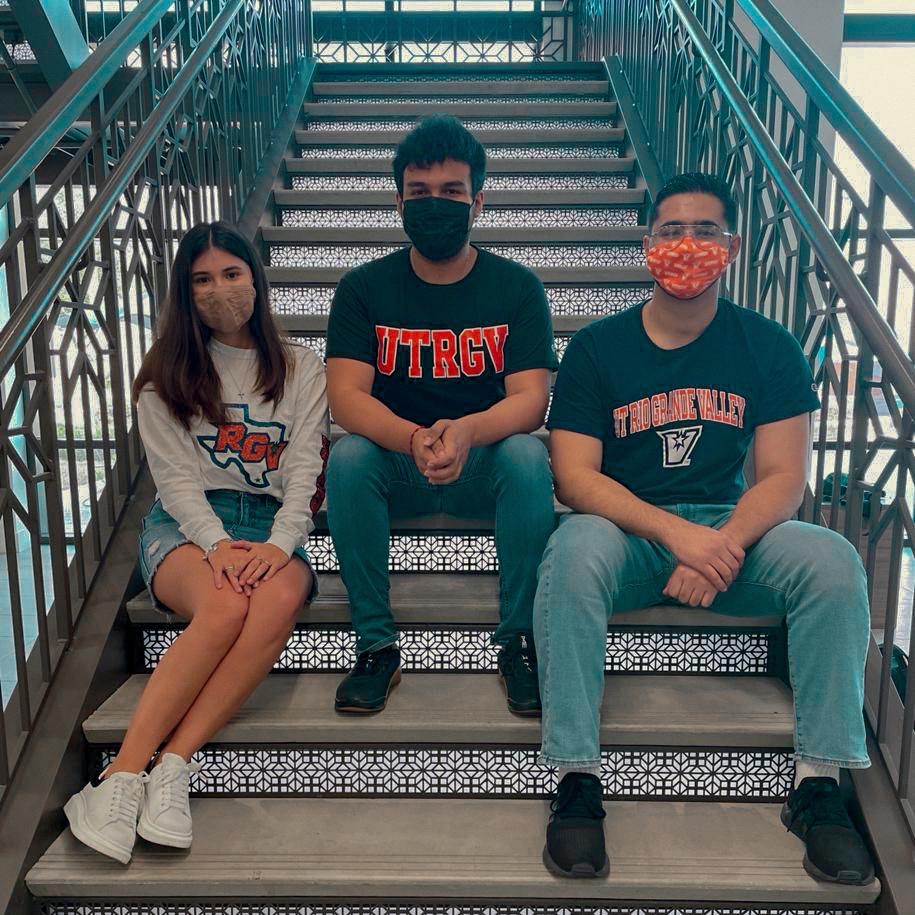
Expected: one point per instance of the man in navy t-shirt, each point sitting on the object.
(654, 411)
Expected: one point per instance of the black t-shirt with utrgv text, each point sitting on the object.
(676, 424)
(441, 351)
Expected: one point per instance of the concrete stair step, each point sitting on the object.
(491, 107)
(483, 235)
(443, 850)
(470, 709)
(620, 165)
(443, 599)
(486, 88)
(517, 136)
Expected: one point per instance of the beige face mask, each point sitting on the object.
(225, 310)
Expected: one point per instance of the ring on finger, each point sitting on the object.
(230, 568)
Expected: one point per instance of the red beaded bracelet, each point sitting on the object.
(411, 437)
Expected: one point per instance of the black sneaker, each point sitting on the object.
(575, 834)
(815, 812)
(367, 686)
(518, 673)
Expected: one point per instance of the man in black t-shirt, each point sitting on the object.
(438, 364)
(653, 413)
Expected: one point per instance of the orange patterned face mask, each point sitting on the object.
(686, 267)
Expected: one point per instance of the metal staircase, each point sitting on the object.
(438, 804)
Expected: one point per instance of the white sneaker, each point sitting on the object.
(104, 816)
(165, 816)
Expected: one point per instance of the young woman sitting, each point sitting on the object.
(234, 422)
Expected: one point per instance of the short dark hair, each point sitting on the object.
(436, 139)
(697, 183)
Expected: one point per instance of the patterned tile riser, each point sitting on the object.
(581, 255)
(469, 651)
(437, 771)
(458, 98)
(397, 122)
(576, 151)
(518, 217)
(493, 182)
(363, 77)
(414, 907)
(564, 300)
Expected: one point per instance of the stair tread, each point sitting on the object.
(508, 166)
(540, 235)
(398, 848)
(453, 598)
(462, 109)
(596, 87)
(434, 708)
(523, 136)
(571, 276)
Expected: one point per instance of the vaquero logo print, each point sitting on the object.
(252, 446)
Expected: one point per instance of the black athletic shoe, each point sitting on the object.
(367, 686)
(815, 812)
(518, 673)
(575, 834)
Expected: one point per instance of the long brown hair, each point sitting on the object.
(178, 365)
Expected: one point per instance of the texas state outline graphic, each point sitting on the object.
(256, 439)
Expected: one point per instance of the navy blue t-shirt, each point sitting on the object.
(676, 424)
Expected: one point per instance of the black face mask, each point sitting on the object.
(438, 227)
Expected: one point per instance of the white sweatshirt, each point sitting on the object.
(281, 452)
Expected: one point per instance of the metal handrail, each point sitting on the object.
(26, 318)
(881, 339)
(33, 143)
(882, 159)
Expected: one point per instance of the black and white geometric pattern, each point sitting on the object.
(462, 771)
(506, 217)
(301, 300)
(559, 151)
(564, 300)
(334, 76)
(407, 123)
(594, 300)
(419, 553)
(468, 650)
(312, 341)
(580, 255)
(493, 182)
(433, 101)
(414, 907)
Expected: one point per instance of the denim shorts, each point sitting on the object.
(244, 515)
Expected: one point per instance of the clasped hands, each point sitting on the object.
(440, 451)
(245, 563)
(710, 560)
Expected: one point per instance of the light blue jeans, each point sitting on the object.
(510, 479)
(808, 574)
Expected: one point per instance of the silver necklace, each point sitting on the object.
(238, 389)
